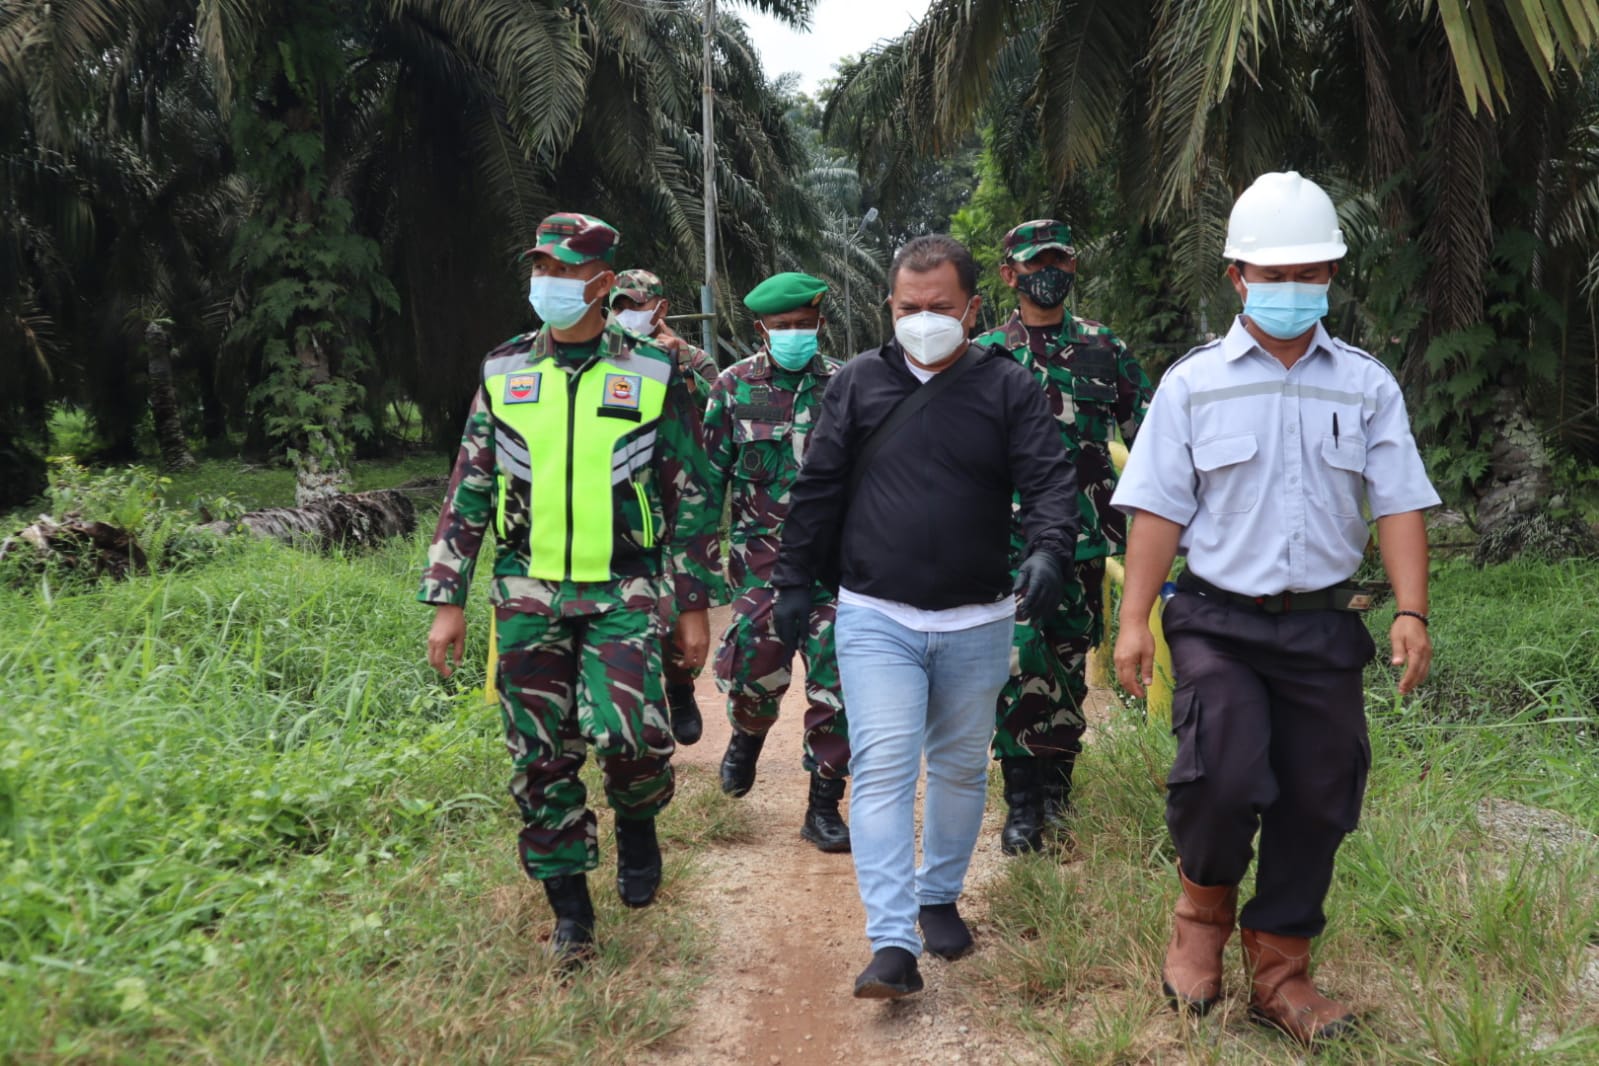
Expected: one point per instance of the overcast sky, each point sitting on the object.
(838, 28)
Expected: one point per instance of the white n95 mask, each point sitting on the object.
(929, 337)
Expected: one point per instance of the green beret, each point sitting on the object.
(785, 292)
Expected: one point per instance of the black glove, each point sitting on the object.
(1039, 584)
(791, 616)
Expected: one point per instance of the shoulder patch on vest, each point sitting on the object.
(622, 391)
(522, 388)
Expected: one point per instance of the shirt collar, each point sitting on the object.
(1239, 342)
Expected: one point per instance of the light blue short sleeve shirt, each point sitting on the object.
(1267, 469)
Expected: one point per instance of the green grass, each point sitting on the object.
(1456, 944)
(241, 821)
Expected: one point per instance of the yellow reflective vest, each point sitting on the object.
(573, 450)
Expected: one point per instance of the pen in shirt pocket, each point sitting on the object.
(1335, 429)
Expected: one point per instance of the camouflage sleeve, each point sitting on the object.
(702, 372)
(1133, 392)
(468, 503)
(684, 479)
(717, 433)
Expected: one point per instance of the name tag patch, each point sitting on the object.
(622, 391)
(522, 388)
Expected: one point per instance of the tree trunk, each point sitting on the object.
(359, 519)
(164, 400)
(1519, 475)
(1517, 512)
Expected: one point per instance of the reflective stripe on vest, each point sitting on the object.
(587, 433)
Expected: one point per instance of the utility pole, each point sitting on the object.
(849, 319)
(708, 147)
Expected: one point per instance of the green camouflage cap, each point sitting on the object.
(1039, 235)
(574, 238)
(637, 285)
(785, 292)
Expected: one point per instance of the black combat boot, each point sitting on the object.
(638, 861)
(824, 826)
(573, 942)
(1024, 795)
(1057, 773)
(738, 762)
(686, 722)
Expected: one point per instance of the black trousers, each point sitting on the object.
(1270, 721)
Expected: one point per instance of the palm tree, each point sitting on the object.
(1431, 118)
(371, 209)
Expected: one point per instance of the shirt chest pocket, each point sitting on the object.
(1229, 478)
(1094, 373)
(764, 449)
(1342, 474)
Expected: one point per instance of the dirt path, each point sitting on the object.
(789, 936)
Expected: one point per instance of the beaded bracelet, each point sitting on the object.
(1413, 614)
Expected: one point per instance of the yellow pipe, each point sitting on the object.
(489, 695)
(1157, 702)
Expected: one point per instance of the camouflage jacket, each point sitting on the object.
(672, 480)
(699, 369)
(757, 424)
(1095, 386)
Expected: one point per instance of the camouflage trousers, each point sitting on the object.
(755, 671)
(1040, 707)
(567, 685)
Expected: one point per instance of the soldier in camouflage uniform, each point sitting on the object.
(1095, 387)
(581, 450)
(638, 303)
(759, 419)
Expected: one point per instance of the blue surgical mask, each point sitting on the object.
(559, 301)
(1285, 309)
(792, 349)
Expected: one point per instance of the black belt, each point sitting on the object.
(1347, 597)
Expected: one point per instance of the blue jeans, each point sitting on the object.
(908, 693)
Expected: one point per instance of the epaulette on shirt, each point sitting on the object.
(519, 343)
(640, 345)
(1352, 350)
(1181, 359)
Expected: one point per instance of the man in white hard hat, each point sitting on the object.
(1259, 456)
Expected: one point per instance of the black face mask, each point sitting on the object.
(1047, 287)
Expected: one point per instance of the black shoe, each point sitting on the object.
(686, 722)
(1024, 795)
(1057, 775)
(892, 973)
(944, 932)
(573, 941)
(824, 826)
(738, 762)
(638, 861)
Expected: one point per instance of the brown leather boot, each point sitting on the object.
(1201, 925)
(1284, 997)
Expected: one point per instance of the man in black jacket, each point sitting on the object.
(919, 537)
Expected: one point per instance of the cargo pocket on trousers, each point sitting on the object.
(1186, 766)
(1350, 820)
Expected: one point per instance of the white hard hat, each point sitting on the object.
(1283, 219)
